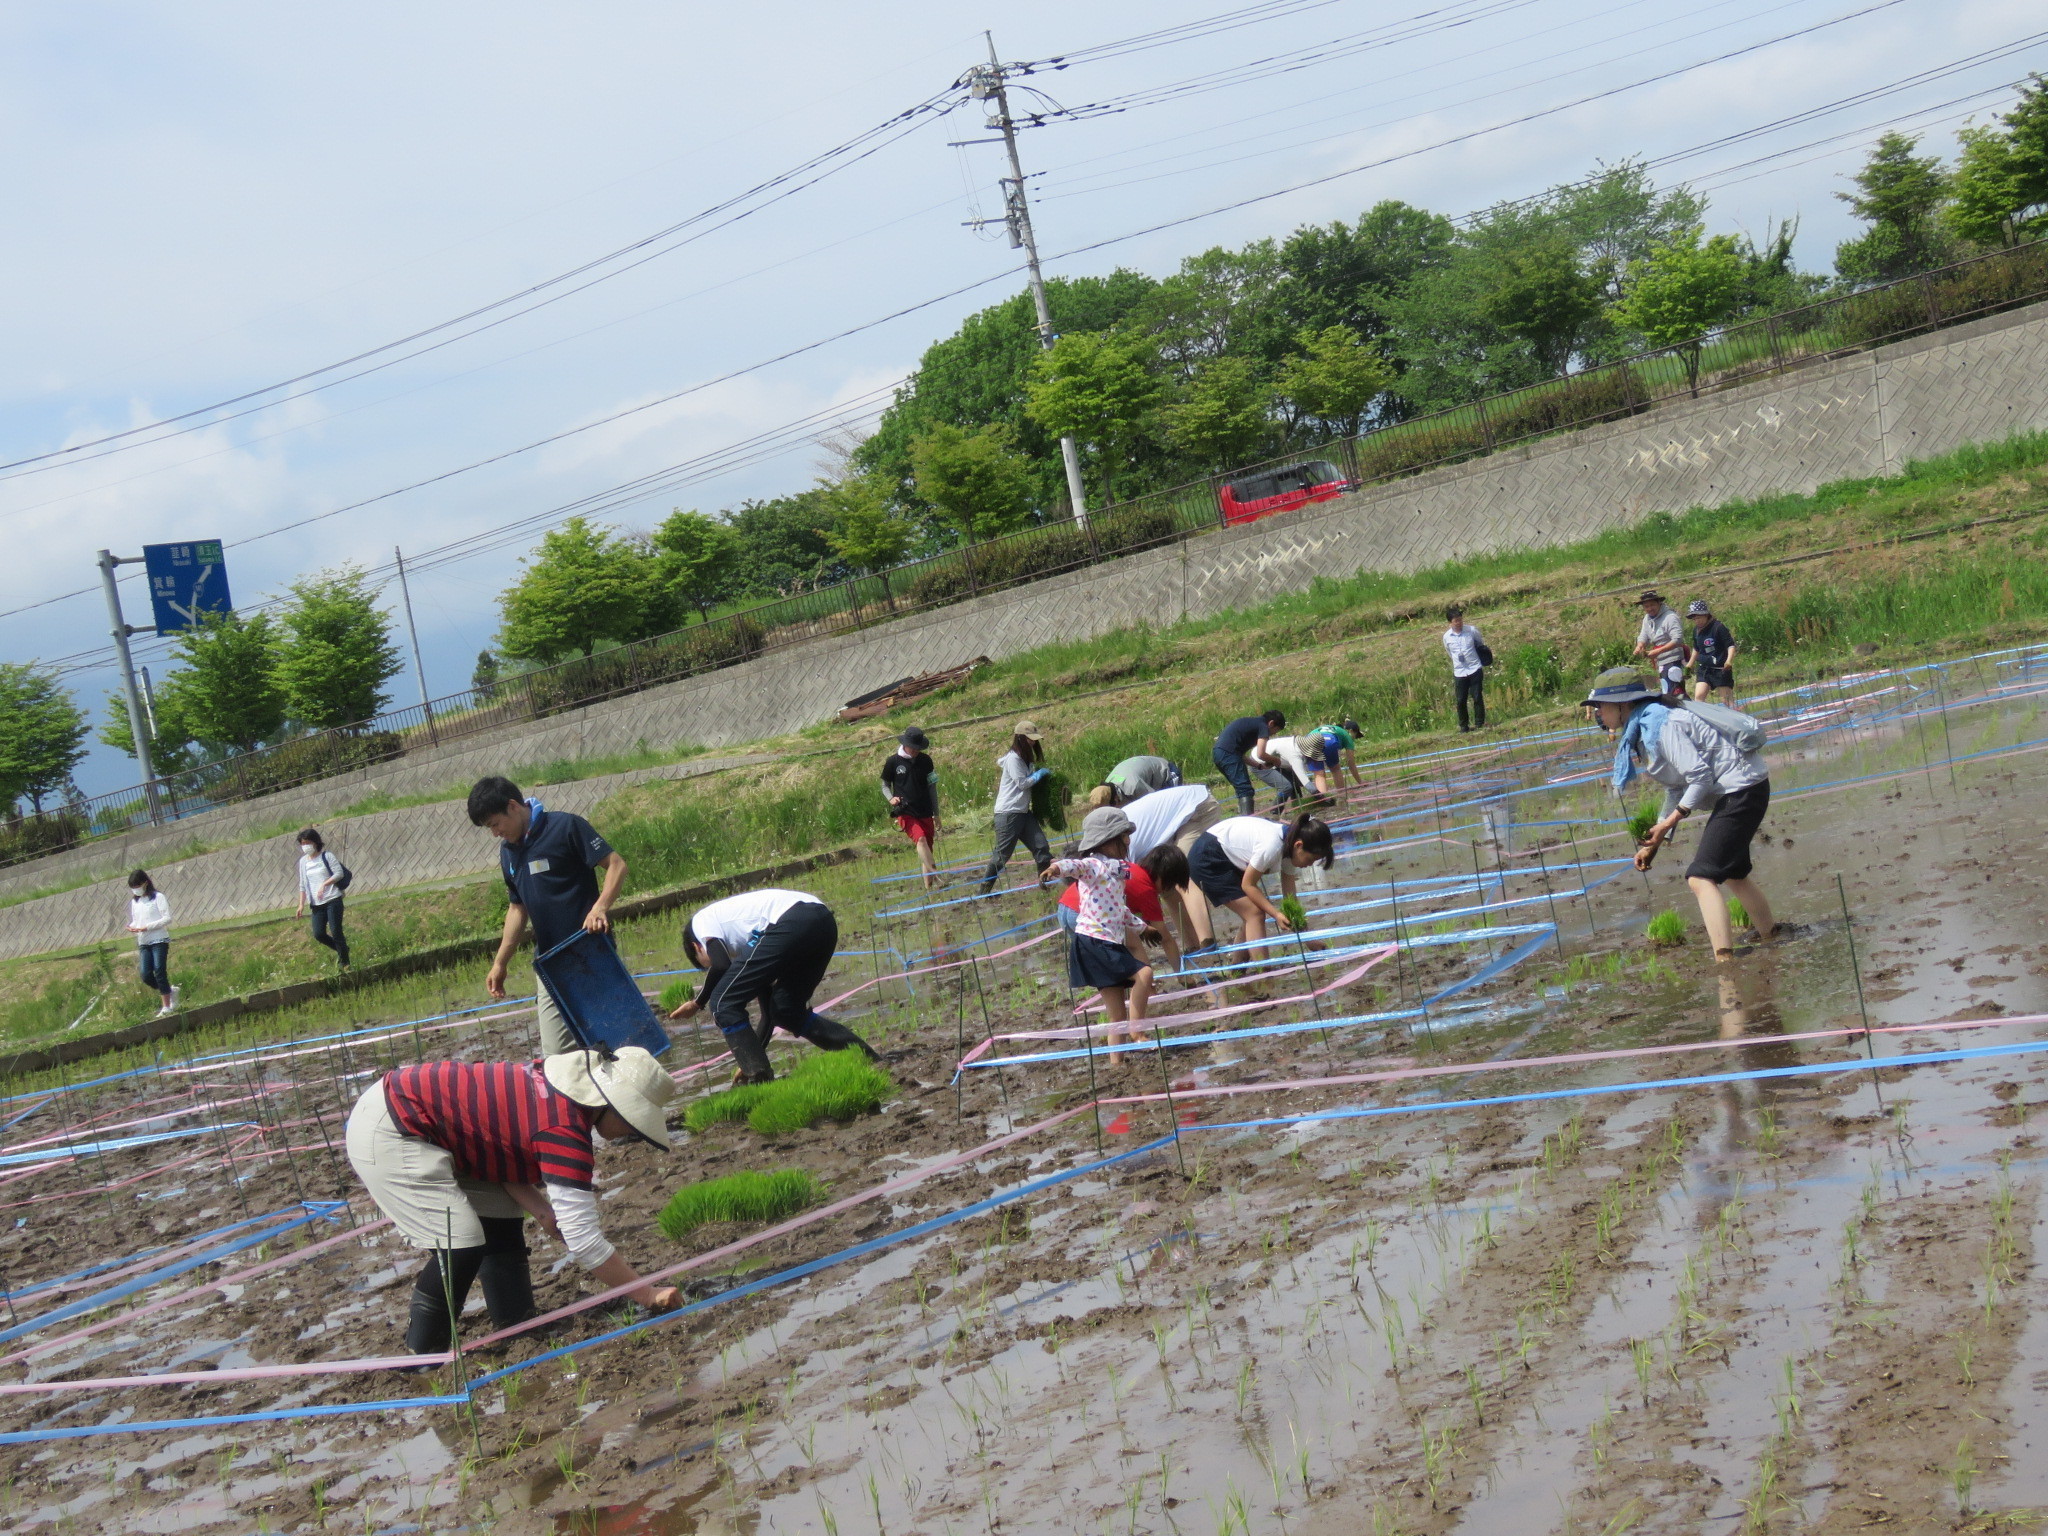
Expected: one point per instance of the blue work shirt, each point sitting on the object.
(552, 872)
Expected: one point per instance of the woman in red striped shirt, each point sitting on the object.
(458, 1154)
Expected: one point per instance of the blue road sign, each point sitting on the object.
(185, 580)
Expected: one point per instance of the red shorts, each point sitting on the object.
(919, 829)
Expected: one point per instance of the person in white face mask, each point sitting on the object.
(322, 879)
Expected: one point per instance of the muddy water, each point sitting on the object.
(1280, 1338)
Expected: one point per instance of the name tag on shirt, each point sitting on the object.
(538, 867)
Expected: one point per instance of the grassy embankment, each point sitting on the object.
(1366, 645)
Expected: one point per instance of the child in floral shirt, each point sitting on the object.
(1098, 956)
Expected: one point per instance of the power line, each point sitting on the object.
(786, 184)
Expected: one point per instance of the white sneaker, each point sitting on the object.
(164, 1012)
(172, 1005)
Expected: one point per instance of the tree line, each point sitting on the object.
(1239, 355)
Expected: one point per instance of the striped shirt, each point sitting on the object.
(500, 1121)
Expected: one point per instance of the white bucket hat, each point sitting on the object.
(631, 1082)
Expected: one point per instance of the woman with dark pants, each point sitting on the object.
(149, 919)
(771, 947)
(321, 878)
(1022, 766)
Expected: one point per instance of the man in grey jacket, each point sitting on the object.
(1698, 767)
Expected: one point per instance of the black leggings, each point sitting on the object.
(781, 972)
(327, 928)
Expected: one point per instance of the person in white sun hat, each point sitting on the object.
(459, 1153)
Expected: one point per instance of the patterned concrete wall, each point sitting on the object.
(384, 851)
(1856, 416)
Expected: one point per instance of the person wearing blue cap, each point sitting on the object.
(1698, 764)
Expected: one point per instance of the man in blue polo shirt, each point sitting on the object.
(550, 861)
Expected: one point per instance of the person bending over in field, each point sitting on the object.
(1231, 860)
(772, 947)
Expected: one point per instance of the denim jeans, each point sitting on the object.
(1232, 766)
(154, 960)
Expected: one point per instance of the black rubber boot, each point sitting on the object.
(507, 1278)
(830, 1035)
(430, 1330)
(750, 1055)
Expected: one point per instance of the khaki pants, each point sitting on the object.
(415, 1183)
(555, 1037)
(1205, 816)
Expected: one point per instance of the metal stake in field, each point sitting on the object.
(1556, 928)
(1571, 830)
(1856, 970)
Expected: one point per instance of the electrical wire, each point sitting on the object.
(1859, 98)
(645, 249)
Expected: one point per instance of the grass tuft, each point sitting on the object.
(1639, 824)
(1666, 928)
(678, 992)
(1738, 914)
(826, 1085)
(738, 1197)
(1295, 913)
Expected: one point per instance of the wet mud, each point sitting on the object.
(1768, 1303)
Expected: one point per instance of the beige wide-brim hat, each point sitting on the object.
(632, 1082)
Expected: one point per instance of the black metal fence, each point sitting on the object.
(1733, 355)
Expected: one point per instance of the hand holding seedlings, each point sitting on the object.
(1659, 833)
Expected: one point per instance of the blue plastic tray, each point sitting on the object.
(600, 1001)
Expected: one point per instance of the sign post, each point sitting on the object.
(138, 720)
(186, 582)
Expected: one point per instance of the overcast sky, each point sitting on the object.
(207, 199)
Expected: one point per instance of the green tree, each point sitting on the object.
(1899, 195)
(2001, 179)
(977, 481)
(225, 694)
(1338, 274)
(42, 734)
(696, 557)
(483, 679)
(1101, 388)
(583, 585)
(1224, 415)
(1333, 379)
(335, 651)
(977, 377)
(1543, 293)
(170, 750)
(1219, 304)
(868, 532)
(785, 545)
(1681, 292)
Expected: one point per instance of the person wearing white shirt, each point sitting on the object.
(149, 919)
(1230, 862)
(1177, 816)
(1698, 766)
(320, 887)
(1468, 672)
(770, 947)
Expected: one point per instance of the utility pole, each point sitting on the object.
(986, 85)
(419, 668)
(138, 717)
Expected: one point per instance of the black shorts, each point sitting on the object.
(1723, 853)
(1716, 677)
(1099, 963)
(1213, 874)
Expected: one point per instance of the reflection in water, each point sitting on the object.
(1749, 1012)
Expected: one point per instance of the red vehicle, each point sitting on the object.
(1248, 498)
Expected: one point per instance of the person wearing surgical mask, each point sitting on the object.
(322, 879)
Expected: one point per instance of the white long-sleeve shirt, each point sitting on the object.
(151, 914)
(1463, 646)
(1697, 765)
(582, 1234)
